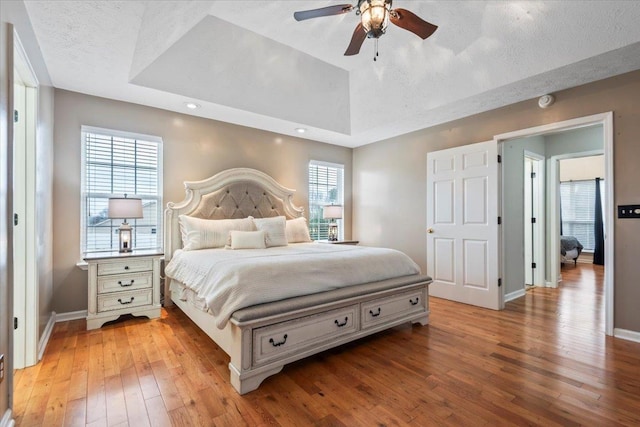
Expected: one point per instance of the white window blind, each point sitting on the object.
(326, 186)
(578, 202)
(114, 164)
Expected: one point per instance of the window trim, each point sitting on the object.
(84, 129)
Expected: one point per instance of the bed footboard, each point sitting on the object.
(267, 339)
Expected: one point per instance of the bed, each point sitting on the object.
(570, 249)
(261, 336)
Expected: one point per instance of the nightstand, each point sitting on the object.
(339, 242)
(123, 284)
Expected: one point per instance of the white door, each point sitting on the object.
(462, 224)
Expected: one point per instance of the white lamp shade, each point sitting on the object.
(125, 208)
(332, 212)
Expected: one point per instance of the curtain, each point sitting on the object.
(561, 233)
(598, 253)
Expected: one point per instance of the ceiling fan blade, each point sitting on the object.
(412, 22)
(356, 41)
(338, 9)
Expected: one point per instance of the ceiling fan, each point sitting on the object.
(374, 19)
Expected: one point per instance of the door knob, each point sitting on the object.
(429, 230)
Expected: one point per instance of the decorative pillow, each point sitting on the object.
(200, 233)
(274, 228)
(297, 230)
(247, 239)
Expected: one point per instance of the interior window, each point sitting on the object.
(116, 163)
(578, 201)
(326, 187)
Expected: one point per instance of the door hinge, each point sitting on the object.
(533, 265)
(15, 323)
(499, 158)
(15, 116)
(533, 220)
(15, 219)
(533, 174)
(500, 282)
(499, 220)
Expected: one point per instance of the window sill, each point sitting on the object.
(83, 265)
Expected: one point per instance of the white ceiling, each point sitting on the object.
(251, 63)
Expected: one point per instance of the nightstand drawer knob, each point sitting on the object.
(125, 302)
(125, 285)
(126, 267)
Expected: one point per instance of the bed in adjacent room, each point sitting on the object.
(570, 249)
(240, 264)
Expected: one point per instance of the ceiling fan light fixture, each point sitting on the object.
(374, 15)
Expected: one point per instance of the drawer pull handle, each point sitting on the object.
(125, 285)
(340, 325)
(414, 302)
(375, 314)
(125, 302)
(278, 344)
(126, 267)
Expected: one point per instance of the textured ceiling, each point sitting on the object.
(251, 63)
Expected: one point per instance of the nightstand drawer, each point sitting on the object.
(128, 266)
(124, 300)
(386, 309)
(124, 282)
(283, 339)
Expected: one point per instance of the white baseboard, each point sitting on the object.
(46, 334)
(514, 295)
(72, 315)
(6, 420)
(626, 334)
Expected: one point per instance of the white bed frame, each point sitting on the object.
(261, 346)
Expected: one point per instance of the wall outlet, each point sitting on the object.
(1, 368)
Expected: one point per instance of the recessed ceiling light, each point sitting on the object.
(192, 105)
(301, 130)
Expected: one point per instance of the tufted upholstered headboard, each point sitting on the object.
(234, 193)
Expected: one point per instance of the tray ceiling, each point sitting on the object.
(251, 63)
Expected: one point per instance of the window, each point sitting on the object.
(578, 202)
(326, 186)
(114, 164)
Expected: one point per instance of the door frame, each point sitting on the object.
(539, 196)
(25, 301)
(606, 120)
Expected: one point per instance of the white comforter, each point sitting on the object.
(227, 280)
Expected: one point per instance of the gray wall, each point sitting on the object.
(390, 176)
(513, 220)
(575, 141)
(194, 149)
(44, 205)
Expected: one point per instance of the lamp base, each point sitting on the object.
(125, 238)
(333, 232)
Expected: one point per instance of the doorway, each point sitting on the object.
(25, 266)
(604, 123)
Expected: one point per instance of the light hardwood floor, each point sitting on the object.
(543, 361)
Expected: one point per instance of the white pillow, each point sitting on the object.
(297, 230)
(274, 228)
(247, 239)
(200, 233)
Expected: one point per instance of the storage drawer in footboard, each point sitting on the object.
(393, 307)
(278, 341)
